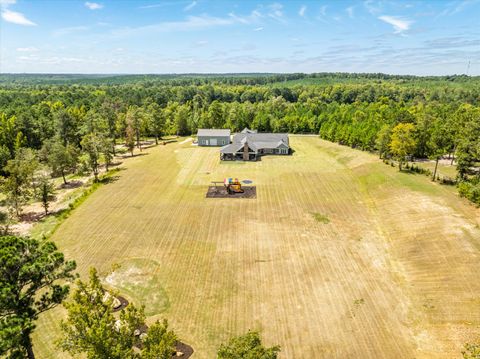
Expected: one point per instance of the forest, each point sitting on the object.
(70, 123)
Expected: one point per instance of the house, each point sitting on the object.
(213, 137)
(249, 145)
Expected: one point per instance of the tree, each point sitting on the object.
(247, 346)
(438, 144)
(383, 140)
(130, 136)
(157, 120)
(468, 144)
(160, 342)
(402, 142)
(107, 153)
(93, 146)
(62, 159)
(181, 120)
(133, 119)
(109, 111)
(18, 183)
(10, 137)
(46, 192)
(91, 327)
(32, 281)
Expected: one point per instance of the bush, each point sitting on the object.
(247, 346)
(448, 181)
(470, 190)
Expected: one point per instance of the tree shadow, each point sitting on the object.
(30, 217)
(70, 185)
(109, 179)
(126, 156)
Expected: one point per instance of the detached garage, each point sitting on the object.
(213, 137)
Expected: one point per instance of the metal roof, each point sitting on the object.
(213, 132)
(231, 148)
(263, 138)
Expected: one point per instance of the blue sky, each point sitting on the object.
(167, 36)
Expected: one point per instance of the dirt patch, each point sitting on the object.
(30, 217)
(137, 279)
(221, 192)
(71, 184)
(186, 349)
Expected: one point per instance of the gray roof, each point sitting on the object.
(213, 132)
(256, 141)
(262, 138)
(231, 148)
(247, 130)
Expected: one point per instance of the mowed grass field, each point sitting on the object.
(389, 271)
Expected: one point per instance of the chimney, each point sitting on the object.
(246, 157)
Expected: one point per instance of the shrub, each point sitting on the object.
(470, 190)
(247, 346)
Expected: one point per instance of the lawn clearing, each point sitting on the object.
(392, 275)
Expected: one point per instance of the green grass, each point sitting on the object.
(321, 218)
(47, 226)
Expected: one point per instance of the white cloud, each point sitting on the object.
(258, 29)
(93, 5)
(398, 24)
(5, 3)
(455, 7)
(253, 17)
(16, 18)
(69, 30)
(350, 12)
(302, 10)
(190, 6)
(191, 23)
(276, 11)
(27, 49)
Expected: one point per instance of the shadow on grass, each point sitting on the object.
(115, 164)
(109, 179)
(70, 185)
(125, 156)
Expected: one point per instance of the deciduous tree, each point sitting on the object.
(402, 142)
(93, 330)
(93, 145)
(17, 186)
(247, 346)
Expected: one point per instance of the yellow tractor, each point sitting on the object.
(233, 185)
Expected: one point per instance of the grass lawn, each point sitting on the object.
(339, 256)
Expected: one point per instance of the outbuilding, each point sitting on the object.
(213, 137)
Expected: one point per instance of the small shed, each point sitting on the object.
(213, 137)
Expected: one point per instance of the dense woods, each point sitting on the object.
(72, 122)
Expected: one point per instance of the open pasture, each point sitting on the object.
(338, 256)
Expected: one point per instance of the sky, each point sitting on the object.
(431, 37)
